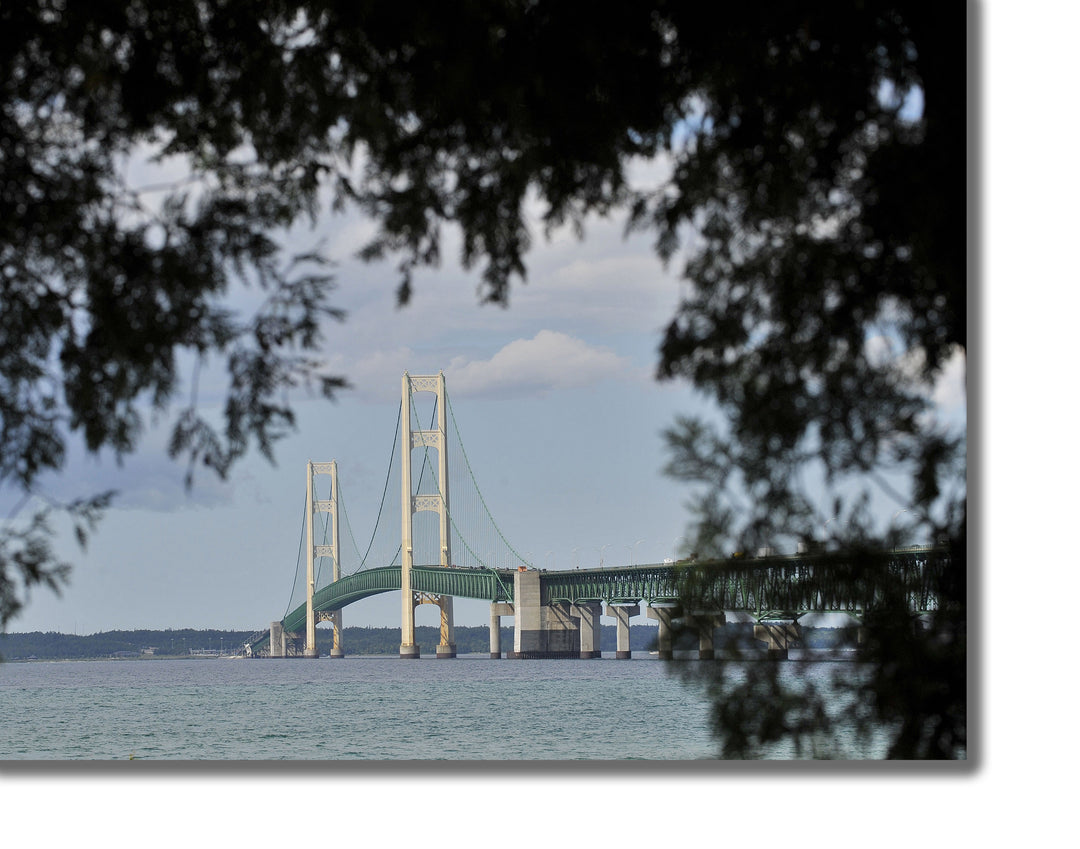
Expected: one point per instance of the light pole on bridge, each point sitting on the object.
(602, 554)
(825, 531)
(892, 536)
(632, 547)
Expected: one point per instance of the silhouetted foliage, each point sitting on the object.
(816, 197)
(825, 189)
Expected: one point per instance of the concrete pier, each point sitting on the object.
(706, 624)
(277, 640)
(588, 615)
(562, 634)
(541, 631)
(447, 647)
(498, 610)
(622, 613)
(663, 615)
(336, 649)
(528, 637)
(779, 636)
(706, 648)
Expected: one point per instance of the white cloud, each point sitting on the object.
(550, 360)
(611, 283)
(374, 376)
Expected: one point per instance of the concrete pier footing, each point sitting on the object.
(622, 613)
(447, 647)
(663, 615)
(588, 616)
(498, 610)
(277, 640)
(527, 634)
(494, 635)
(542, 631)
(336, 649)
(706, 623)
(778, 636)
(408, 652)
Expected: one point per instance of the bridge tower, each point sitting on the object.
(411, 504)
(315, 550)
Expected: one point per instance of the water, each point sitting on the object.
(371, 708)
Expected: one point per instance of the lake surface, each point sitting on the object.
(371, 708)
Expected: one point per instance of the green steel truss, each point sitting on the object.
(459, 581)
(654, 582)
(768, 586)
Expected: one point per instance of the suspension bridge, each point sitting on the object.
(445, 549)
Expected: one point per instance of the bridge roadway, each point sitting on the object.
(557, 612)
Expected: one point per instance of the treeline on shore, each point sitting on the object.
(51, 645)
(189, 642)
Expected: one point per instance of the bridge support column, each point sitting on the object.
(706, 649)
(778, 635)
(446, 648)
(706, 625)
(541, 630)
(589, 615)
(498, 610)
(528, 637)
(561, 631)
(277, 640)
(622, 614)
(336, 649)
(663, 615)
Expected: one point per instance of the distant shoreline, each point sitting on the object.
(184, 644)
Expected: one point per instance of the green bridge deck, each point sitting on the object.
(767, 586)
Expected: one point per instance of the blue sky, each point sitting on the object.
(557, 403)
(558, 410)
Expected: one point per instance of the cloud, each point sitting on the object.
(608, 282)
(375, 376)
(550, 360)
(144, 480)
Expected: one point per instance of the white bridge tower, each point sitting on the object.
(438, 503)
(315, 550)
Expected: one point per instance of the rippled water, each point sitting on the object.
(471, 708)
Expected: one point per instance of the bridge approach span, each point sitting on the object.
(768, 587)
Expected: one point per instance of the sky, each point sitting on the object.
(557, 405)
(558, 411)
(555, 396)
